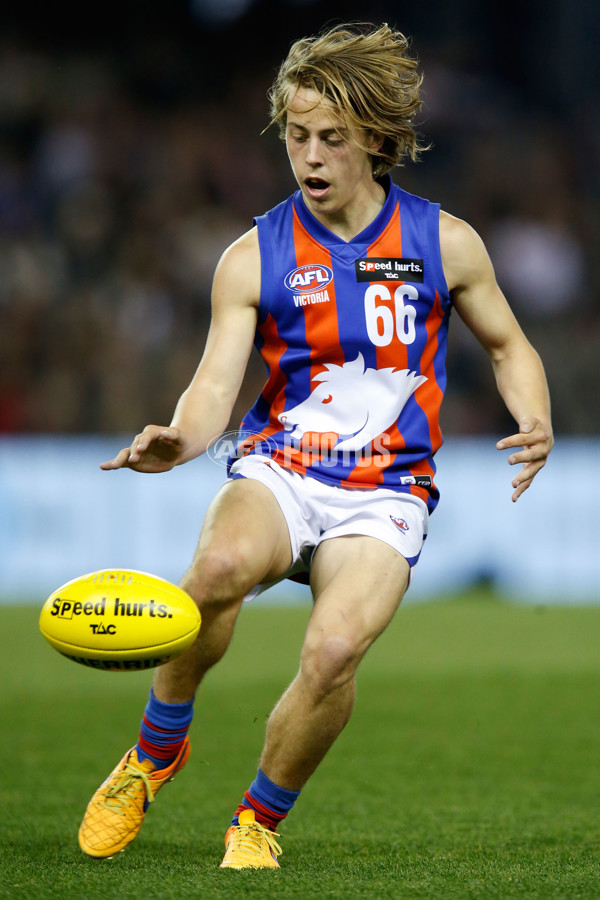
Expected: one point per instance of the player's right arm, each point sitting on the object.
(204, 409)
(519, 372)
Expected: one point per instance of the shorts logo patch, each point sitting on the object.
(402, 524)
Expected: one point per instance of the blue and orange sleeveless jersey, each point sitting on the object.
(354, 337)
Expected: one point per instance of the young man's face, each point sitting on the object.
(332, 170)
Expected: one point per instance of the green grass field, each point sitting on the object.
(470, 769)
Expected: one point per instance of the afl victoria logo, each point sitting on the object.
(308, 278)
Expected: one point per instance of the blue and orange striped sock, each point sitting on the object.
(163, 730)
(270, 802)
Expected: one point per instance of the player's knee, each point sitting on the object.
(218, 575)
(329, 662)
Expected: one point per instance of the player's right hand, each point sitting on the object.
(156, 449)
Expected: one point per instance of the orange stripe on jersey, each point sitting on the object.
(429, 395)
(274, 390)
(394, 355)
(273, 393)
(322, 338)
(272, 351)
(389, 244)
(320, 319)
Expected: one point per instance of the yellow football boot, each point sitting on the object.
(250, 845)
(115, 813)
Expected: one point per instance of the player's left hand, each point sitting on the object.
(535, 440)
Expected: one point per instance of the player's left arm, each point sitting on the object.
(518, 369)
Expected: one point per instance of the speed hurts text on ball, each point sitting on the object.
(66, 609)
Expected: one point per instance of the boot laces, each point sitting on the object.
(125, 789)
(247, 838)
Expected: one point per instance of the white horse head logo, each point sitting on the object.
(352, 401)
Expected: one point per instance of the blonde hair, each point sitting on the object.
(366, 72)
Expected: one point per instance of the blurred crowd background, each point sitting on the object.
(131, 155)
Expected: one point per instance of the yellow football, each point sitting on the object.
(120, 620)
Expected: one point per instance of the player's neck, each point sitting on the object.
(356, 215)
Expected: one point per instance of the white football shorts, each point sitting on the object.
(316, 512)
